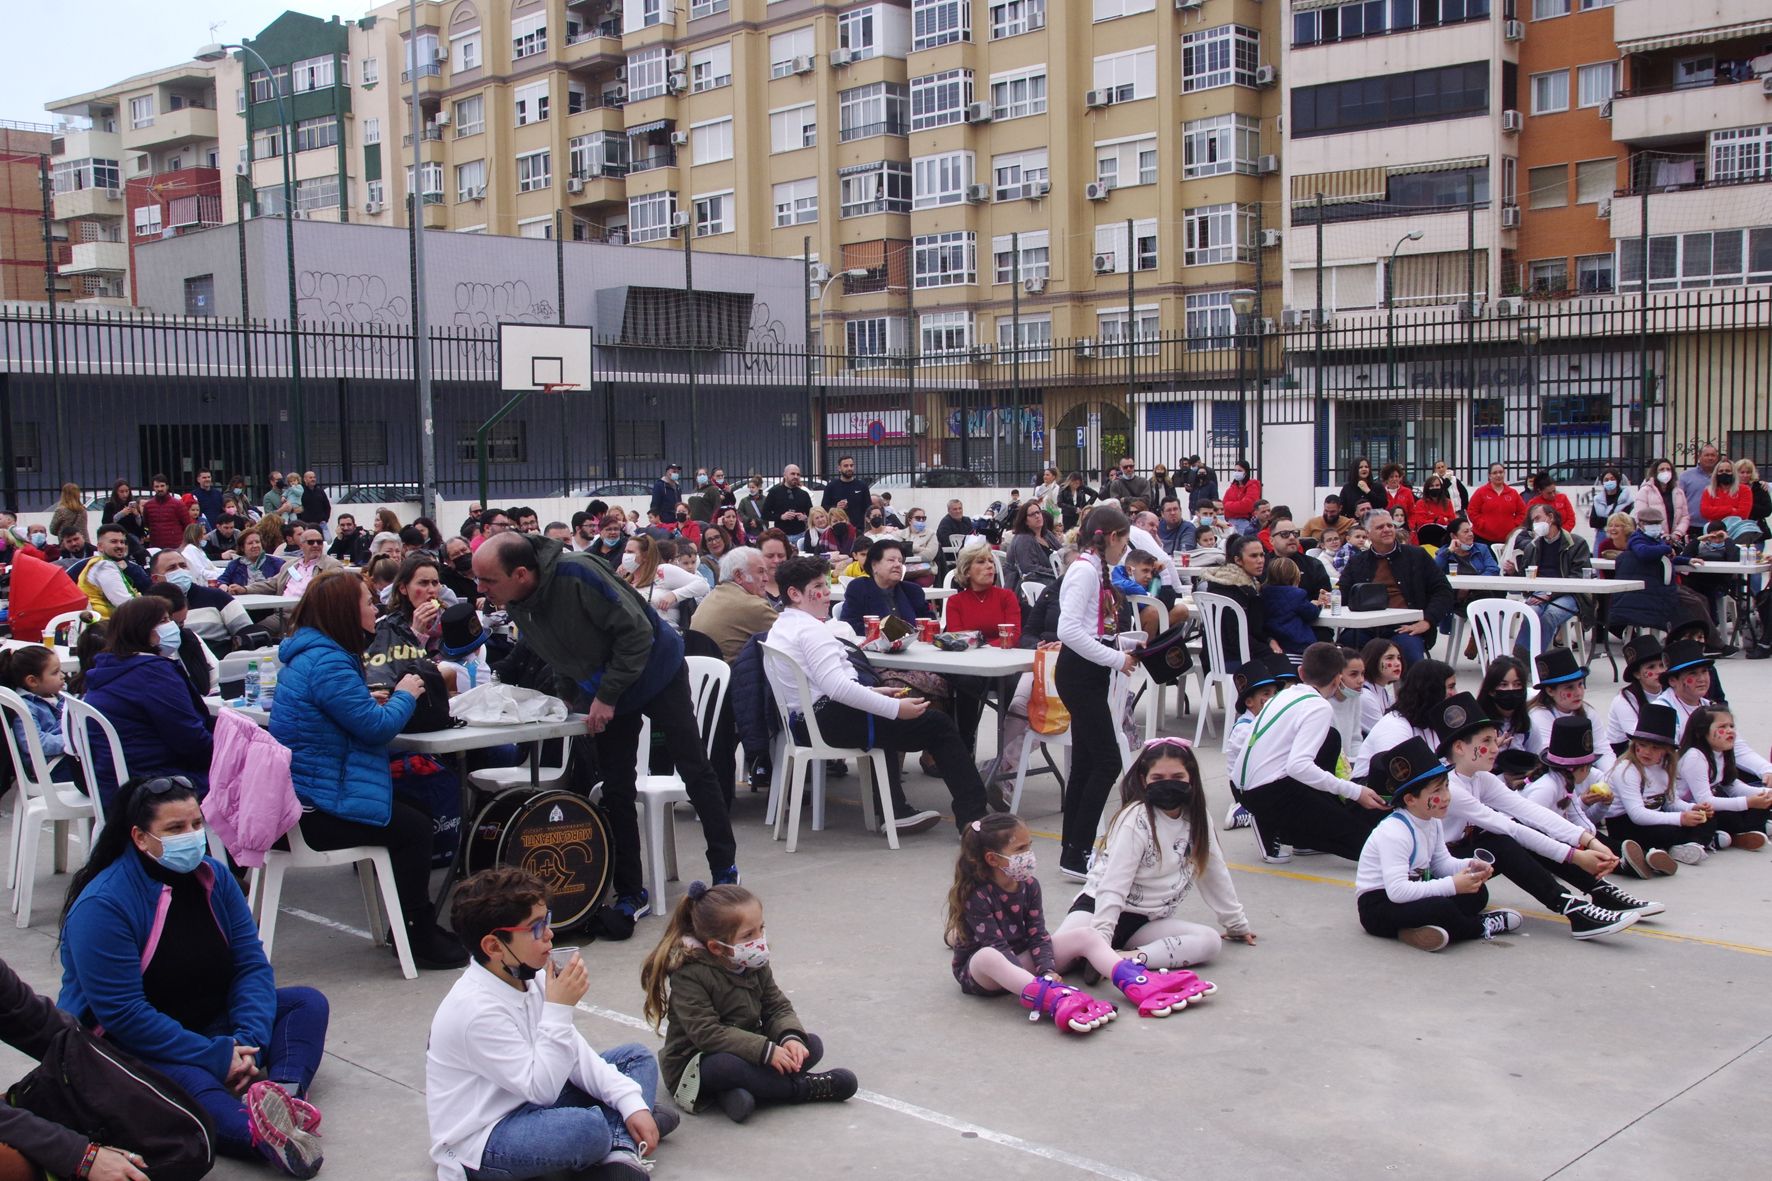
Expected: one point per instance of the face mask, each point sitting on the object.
(752, 954)
(1509, 699)
(182, 579)
(1724, 480)
(701, 481)
(1664, 477)
(1654, 530)
(1611, 487)
(1239, 477)
(876, 522)
(1020, 866)
(522, 972)
(682, 516)
(166, 635)
(919, 525)
(1207, 520)
(630, 561)
(465, 564)
(1540, 528)
(1169, 795)
(39, 538)
(182, 852)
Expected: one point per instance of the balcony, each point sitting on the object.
(430, 79)
(80, 203)
(599, 184)
(661, 33)
(658, 157)
(593, 43)
(1657, 116)
(869, 130)
(170, 129)
(98, 258)
(1638, 24)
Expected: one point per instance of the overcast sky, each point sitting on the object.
(57, 48)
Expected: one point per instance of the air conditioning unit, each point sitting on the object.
(618, 92)
(1034, 190)
(575, 185)
(677, 83)
(680, 139)
(1034, 286)
(679, 62)
(978, 113)
(1766, 85)
(1509, 306)
(1086, 347)
(1510, 217)
(242, 170)
(842, 57)
(442, 54)
(1097, 98)
(1097, 190)
(1266, 75)
(372, 207)
(1512, 122)
(1606, 108)
(803, 65)
(976, 194)
(679, 219)
(1104, 263)
(1189, 5)
(1270, 239)
(1470, 309)
(1267, 165)
(1266, 326)
(478, 193)
(1603, 210)
(1514, 31)
(441, 119)
(1291, 318)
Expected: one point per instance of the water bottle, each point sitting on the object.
(252, 688)
(267, 686)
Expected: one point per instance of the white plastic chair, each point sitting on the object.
(1212, 610)
(1120, 687)
(497, 779)
(74, 621)
(658, 795)
(373, 868)
(79, 720)
(1057, 565)
(1031, 591)
(1497, 624)
(41, 800)
(800, 761)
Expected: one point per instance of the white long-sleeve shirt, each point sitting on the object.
(1406, 857)
(1080, 626)
(1148, 872)
(1347, 720)
(1483, 801)
(494, 1049)
(821, 655)
(682, 583)
(1297, 720)
(1374, 700)
(1646, 795)
(1747, 760)
(1538, 737)
(1390, 730)
(1235, 739)
(1552, 792)
(1698, 779)
(1621, 719)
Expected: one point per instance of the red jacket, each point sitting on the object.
(1564, 510)
(1431, 512)
(1495, 515)
(1403, 497)
(1739, 503)
(1240, 498)
(165, 521)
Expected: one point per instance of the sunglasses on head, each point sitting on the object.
(166, 783)
(538, 929)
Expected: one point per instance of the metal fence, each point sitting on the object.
(1573, 385)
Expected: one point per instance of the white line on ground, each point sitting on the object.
(322, 920)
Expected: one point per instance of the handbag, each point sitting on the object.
(393, 653)
(1368, 596)
(1166, 658)
(1046, 713)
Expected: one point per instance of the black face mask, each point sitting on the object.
(464, 564)
(521, 972)
(1509, 699)
(1169, 794)
(1725, 480)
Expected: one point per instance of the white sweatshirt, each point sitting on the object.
(1484, 802)
(1406, 857)
(1645, 795)
(1390, 731)
(1374, 701)
(1235, 739)
(1539, 736)
(1149, 873)
(1621, 719)
(1697, 782)
(1548, 791)
(1746, 760)
(1080, 626)
(1284, 744)
(494, 1049)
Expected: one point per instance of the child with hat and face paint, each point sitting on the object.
(1656, 830)
(1562, 691)
(1568, 784)
(1644, 665)
(1708, 774)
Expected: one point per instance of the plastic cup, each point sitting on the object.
(1007, 634)
(1482, 857)
(1532, 572)
(873, 625)
(559, 957)
(1187, 559)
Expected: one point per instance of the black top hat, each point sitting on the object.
(1558, 667)
(1456, 717)
(1657, 723)
(462, 631)
(1514, 761)
(1640, 650)
(1685, 654)
(1407, 767)
(1572, 742)
(1271, 668)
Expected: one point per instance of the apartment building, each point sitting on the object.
(22, 263)
(133, 162)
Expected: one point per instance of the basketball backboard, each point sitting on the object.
(535, 356)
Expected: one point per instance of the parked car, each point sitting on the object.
(372, 493)
(603, 491)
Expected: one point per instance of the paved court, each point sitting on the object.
(1326, 1054)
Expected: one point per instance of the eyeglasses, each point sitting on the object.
(538, 929)
(1284, 533)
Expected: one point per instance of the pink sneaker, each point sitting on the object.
(285, 1129)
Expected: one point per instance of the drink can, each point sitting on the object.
(927, 630)
(873, 625)
(1006, 635)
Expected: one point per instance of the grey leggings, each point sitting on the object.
(1166, 943)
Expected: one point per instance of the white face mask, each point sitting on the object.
(919, 525)
(1020, 865)
(1664, 477)
(630, 561)
(1540, 528)
(1654, 530)
(752, 954)
(167, 637)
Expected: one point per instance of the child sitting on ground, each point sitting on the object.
(1289, 607)
(1655, 830)
(35, 674)
(1708, 774)
(1257, 681)
(512, 1088)
(734, 1038)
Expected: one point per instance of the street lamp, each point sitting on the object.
(1390, 308)
(215, 53)
(1242, 307)
(851, 273)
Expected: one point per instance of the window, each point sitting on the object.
(1548, 276)
(940, 22)
(314, 73)
(874, 188)
(371, 71)
(531, 103)
(240, 100)
(1036, 256)
(710, 67)
(508, 442)
(265, 88)
(1109, 9)
(785, 47)
(1168, 416)
(74, 176)
(465, 51)
(535, 170)
(945, 334)
(1596, 84)
(374, 193)
(940, 99)
(470, 116)
(1223, 56)
(1720, 259)
(1351, 20)
(1120, 162)
(649, 217)
(1010, 18)
(267, 143)
(1128, 76)
(1550, 92)
(1418, 96)
(940, 180)
(430, 182)
(321, 192)
(647, 74)
(601, 153)
(652, 12)
(1019, 94)
(269, 198)
(945, 260)
(1014, 175)
(311, 134)
(1545, 9)
(1110, 325)
(713, 214)
(699, 8)
(711, 141)
(858, 31)
(1216, 233)
(1593, 274)
(880, 109)
(1594, 180)
(147, 220)
(529, 35)
(1741, 153)
(1029, 339)
(1211, 322)
(1547, 187)
(470, 180)
(793, 128)
(1111, 240)
(371, 131)
(796, 202)
(1221, 144)
(141, 111)
(874, 338)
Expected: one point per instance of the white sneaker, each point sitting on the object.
(1237, 817)
(916, 822)
(1690, 853)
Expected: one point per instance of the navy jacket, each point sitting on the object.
(863, 597)
(158, 715)
(666, 496)
(753, 701)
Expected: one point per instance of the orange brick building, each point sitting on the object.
(21, 211)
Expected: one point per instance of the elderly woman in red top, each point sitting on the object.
(978, 603)
(1726, 496)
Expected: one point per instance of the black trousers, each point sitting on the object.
(726, 750)
(726, 1072)
(1095, 746)
(1622, 828)
(1749, 820)
(407, 837)
(1457, 915)
(934, 732)
(1295, 814)
(618, 751)
(1534, 874)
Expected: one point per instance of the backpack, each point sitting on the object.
(396, 651)
(90, 1086)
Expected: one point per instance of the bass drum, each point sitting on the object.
(558, 837)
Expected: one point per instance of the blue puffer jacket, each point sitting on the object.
(336, 733)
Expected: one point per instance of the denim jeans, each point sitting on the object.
(298, 1038)
(575, 1132)
(1552, 616)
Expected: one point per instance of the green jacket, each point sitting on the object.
(714, 1010)
(595, 630)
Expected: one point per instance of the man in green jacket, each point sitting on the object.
(614, 651)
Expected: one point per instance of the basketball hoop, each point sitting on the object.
(558, 387)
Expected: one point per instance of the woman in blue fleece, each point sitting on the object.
(1290, 610)
(160, 955)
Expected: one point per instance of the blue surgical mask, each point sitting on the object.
(1611, 486)
(182, 579)
(166, 635)
(182, 852)
(1655, 530)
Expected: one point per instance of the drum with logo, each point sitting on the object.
(559, 837)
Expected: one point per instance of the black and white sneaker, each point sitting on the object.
(1237, 817)
(1272, 851)
(1606, 895)
(915, 822)
(1073, 865)
(1588, 920)
(1500, 921)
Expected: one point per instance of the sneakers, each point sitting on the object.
(622, 1164)
(1237, 817)
(738, 1104)
(1751, 841)
(836, 768)
(1589, 920)
(1689, 853)
(283, 1128)
(1500, 921)
(1646, 864)
(759, 775)
(667, 1120)
(726, 877)
(1073, 864)
(1719, 841)
(1661, 862)
(916, 822)
(1272, 851)
(827, 1086)
(433, 948)
(634, 906)
(1425, 938)
(1607, 895)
